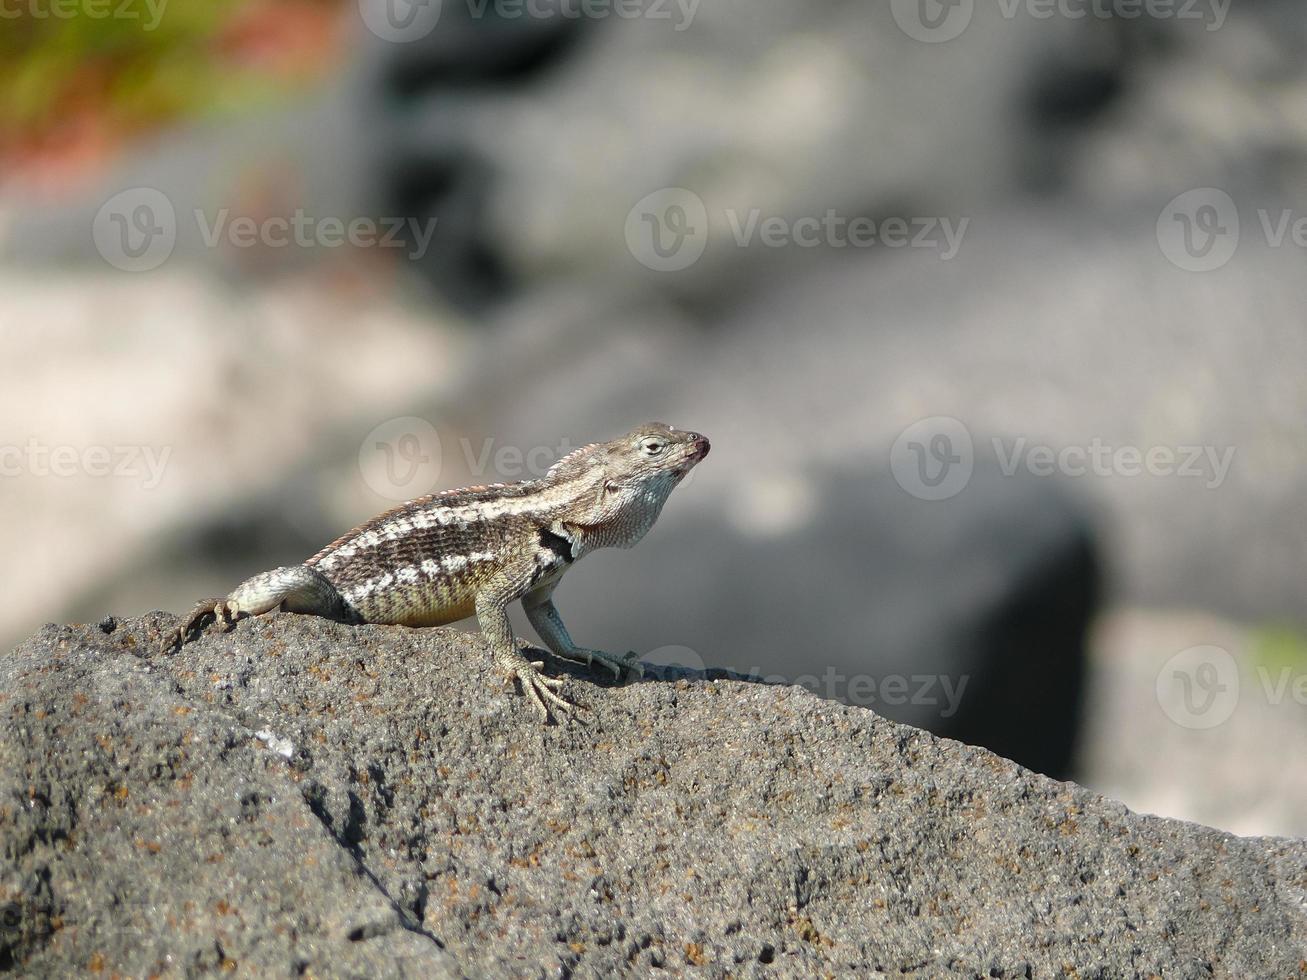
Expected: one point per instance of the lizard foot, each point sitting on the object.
(222, 610)
(620, 666)
(540, 689)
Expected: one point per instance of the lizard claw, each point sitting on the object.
(221, 610)
(540, 689)
(633, 666)
(620, 666)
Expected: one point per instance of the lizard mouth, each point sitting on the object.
(698, 450)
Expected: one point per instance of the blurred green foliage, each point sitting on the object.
(121, 66)
(1280, 647)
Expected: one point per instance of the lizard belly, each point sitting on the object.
(419, 604)
(437, 615)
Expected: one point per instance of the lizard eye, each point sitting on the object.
(652, 447)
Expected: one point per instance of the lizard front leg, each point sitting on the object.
(492, 615)
(545, 620)
(294, 588)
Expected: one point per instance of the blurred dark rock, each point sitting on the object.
(425, 168)
(303, 797)
(491, 45)
(794, 110)
(531, 172)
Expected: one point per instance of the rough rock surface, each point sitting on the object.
(304, 796)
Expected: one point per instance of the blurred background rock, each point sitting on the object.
(198, 391)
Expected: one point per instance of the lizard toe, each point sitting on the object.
(620, 666)
(534, 696)
(172, 639)
(634, 668)
(191, 622)
(537, 666)
(540, 689)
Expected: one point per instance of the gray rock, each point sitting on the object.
(304, 796)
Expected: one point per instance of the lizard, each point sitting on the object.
(475, 550)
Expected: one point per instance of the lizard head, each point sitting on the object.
(621, 486)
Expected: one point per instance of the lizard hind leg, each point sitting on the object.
(294, 588)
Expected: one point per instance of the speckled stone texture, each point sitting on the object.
(299, 796)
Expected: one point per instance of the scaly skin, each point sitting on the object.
(449, 555)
